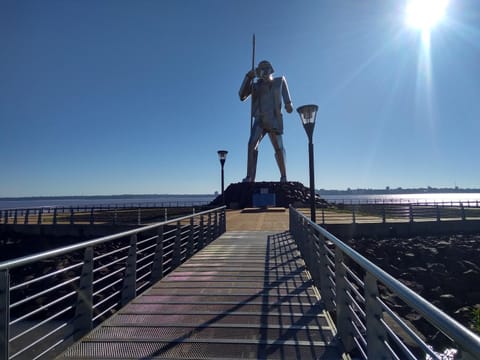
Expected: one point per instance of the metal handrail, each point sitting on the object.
(396, 212)
(55, 307)
(400, 201)
(338, 212)
(81, 214)
(317, 245)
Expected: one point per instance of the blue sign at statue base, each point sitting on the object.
(263, 199)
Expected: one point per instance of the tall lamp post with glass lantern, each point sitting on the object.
(308, 113)
(222, 156)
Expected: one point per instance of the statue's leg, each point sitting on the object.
(280, 155)
(256, 136)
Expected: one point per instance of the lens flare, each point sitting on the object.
(425, 14)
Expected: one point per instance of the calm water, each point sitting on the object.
(188, 200)
(450, 198)
(160, 200)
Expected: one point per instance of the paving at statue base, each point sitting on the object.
(254, 219)
(247, 295)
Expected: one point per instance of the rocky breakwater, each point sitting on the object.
(444, 270)
(240, 195)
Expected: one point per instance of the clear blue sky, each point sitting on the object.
(115, 97)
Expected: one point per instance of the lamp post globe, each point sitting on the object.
(222, 156)
(308, 114)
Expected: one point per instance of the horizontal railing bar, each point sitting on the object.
(113, 252)
(109, 286)
(105, 311)
(109, 275)
(34, 296)
(357, 307)
(466, 339)
(144, 266)
(400, 343)
(404, 326)
(359, 336)
(9, 264)
(41, 308)
(360, 348)
(39, 356)
(179, 241)
(112, 295)
(146, 258)
(63, 311)
(391, 351)
(441, 320)
(116, 261)
(145, 284)
(43, 277)
(39, 340)
(146, 241)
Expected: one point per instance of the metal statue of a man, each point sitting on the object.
(267, 94)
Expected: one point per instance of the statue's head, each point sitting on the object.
(265, 70)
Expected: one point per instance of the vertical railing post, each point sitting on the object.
(27, 215)
(201, 235)
(215, 225)
(92, 216)
(40, 213)
(191, 245)
(300, 234)
(325, 288)
(291, 220)
(177, 252)
(209, 228)
(223, 221)
(71, 216)
(384, 213)
(84, 307)
(462, 211)
(376, 333)
(323, 216)
(4, 313)
(5, 217)
(341, 289)
(54, 220)
(410, 212)
(15, 217)
(437, 209)
(157, 267)
(353, 214)
(129, 288)
(115, 216)
(312, 255)
(139, 216)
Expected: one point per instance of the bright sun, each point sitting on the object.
(425, 14)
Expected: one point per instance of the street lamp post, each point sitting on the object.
(308, 113)
(222, 156)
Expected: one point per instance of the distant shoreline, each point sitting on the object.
(398, 191)
(100, 197)
(386, 191)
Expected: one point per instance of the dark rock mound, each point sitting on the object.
(239, 195)
(443, 269)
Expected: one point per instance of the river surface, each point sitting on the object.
(195, 200)
(121, 200)
(446, 198)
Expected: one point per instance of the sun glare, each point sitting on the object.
(425, 14)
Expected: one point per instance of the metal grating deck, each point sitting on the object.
(246, 296)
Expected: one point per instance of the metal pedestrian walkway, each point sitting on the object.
(247, 295)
